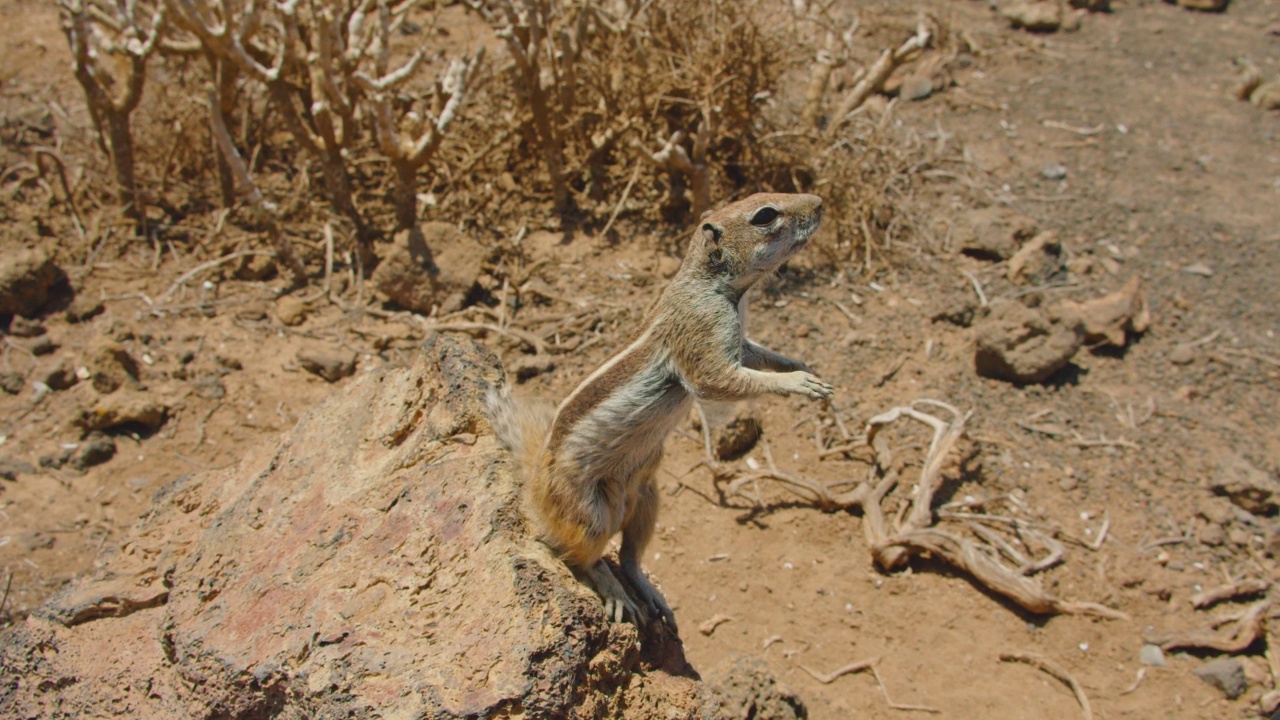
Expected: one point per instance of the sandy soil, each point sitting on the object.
(1167, 177)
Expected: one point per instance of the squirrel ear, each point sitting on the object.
(711, 233)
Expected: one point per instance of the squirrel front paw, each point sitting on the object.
(806, 383)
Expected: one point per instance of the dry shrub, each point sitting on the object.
(603, 86)
(643, 111)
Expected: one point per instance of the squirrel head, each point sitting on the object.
(748, 239)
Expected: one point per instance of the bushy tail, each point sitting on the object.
(521, 425)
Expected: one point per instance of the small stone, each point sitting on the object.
(1238, 537)
(1203, 5)
(25, 279)
(1213, 535)
(332, 364)
(95, 450)
(803, 330)
(210, 387)
(83, 308)
(37, 540)
(291, 310)
(12, 382)
(916, 88)
(229, 363)
(56, 460)
(60, 375)
(1151, 655)
(1069, 483)
(1226, 674)
(10, 469)
(1054, 171)
(125, 408)
(1198, 268)
(111, 366)
(1033, 15)
(42, 345)
(24, 328)
(1182, 354)
(252, 313)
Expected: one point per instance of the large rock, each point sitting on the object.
(374, 563)
(434, 266)
(1025, 345)
(25, 279)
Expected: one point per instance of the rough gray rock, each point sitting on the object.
(1226, 674)
(375, 563)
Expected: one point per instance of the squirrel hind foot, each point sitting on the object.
(651, 598)
(618, 604)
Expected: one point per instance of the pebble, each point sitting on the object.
(1182, 354)
(1199, 268)
(209, 387)
(42, 345)
(1069, 483)
(95, 450)
(1054, 171)
(916, 88)
(291, 310)
(1151, 655)
(1238, 537)
(330, 364)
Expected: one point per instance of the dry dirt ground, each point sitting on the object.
(1167, 177)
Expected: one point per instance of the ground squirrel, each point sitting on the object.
(589, 465)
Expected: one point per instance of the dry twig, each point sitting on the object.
(1229, 591)
(1248, 629)
(1059, 673)
(872, 665)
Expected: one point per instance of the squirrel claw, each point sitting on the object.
(618, 605)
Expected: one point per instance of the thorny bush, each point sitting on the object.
(643, 112)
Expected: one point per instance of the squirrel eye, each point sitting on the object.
(764, 216)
